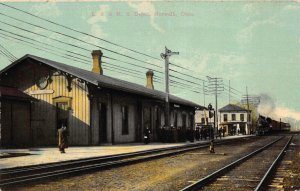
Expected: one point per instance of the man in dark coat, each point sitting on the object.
(147, 135)
(62, 138)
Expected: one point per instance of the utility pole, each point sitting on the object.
(248, 117)
(203, 93)
(215, 87)
(229, 93)
(166, 57)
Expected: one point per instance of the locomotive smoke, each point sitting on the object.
(266, 106)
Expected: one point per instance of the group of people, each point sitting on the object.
(188, 134)
(180, 134)
(166, 135)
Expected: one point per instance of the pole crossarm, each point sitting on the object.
(215, 86)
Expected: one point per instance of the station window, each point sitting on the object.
(233, 117)
(242, 117)
(225, 117)
(125, 129)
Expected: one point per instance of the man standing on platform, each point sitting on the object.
(62, 138)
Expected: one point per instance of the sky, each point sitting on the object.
(253, 44)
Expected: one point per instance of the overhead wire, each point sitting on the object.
(6, 52)
(108, 57)
(5, 55)
(45, 50)
(181, 67)
(233, 88)
(72, 29)
(69, 43)
(80, 40)
(186, 75)
(109, 50)
(66, 57)
(40, 42)
(231, 91)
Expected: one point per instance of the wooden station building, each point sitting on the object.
(38, 95)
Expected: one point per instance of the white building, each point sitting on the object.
(234, 119)
(202, 118)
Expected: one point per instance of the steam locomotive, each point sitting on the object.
(264, 125)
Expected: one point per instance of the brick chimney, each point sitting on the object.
(149, 76)
(97, 56)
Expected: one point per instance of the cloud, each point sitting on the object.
(292, 7)
(210, 64)
(245, 35)
(95, 22)
(287, 113)
(147, 8)
(48, 9)
(216, 63)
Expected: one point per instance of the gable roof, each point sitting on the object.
(231, 107)
(103, 81)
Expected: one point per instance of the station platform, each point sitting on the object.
(11, 158)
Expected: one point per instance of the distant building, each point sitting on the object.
(202, 117)
(234, 119)
(39, 95)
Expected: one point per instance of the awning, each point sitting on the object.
(233, 122)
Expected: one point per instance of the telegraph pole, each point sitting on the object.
(166, 57)
(203, 93)
(248, 117)
(229, 93)
(215, 87)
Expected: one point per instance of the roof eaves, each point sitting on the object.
(105, 82)
(14, 63)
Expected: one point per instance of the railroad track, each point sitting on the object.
(251, 172)
(15, 176)
(282, 177)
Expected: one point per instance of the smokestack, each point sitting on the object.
(149, 76)
(97, 68)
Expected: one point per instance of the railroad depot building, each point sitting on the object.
(234, 119)
(40, 95)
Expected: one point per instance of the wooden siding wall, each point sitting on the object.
(172, 117)
(44, 112)
(43, 116)
(162, 118)
(179, 119)
(131, 103)
(95, 121)
(44, 122)
(6, 123)
(100, 98)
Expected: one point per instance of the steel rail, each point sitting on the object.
(99, 159)
(211, 177)
(122, 159)
(90, 159)
(261, 186)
